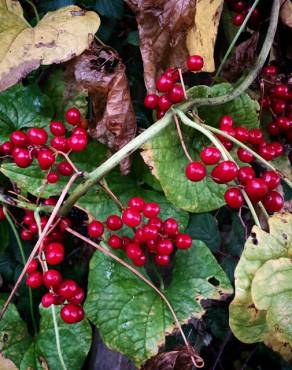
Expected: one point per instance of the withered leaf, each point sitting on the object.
(286, 12)
(163, 26)
(100, 71)
(242, 58)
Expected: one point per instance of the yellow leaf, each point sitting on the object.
(202, 36)
(58, 37)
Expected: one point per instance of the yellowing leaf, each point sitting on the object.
(58, 37)
(286, 13)
(262, 307)
(202, 36)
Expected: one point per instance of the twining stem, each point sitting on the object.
(39, 242)
(19, 243)
(233, 42)
(103, 183)
(180, 135)
(197, 360)
(6, 199)
(37, 17)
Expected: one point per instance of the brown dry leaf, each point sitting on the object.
(242, 58)
(58, 37)
(6, 364)
(286, 13)
(101, 72)
(202, 36)
(163, 26)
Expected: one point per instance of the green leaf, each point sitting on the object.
(4, 235)
(262, 308)
(131, 316)
(32, 359)
(237, 236)
(203, 226)
(22, 107)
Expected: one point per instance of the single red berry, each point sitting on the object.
(71, 313)
(183, 241)
(226, 122)
(95, 229)
(37, 136)
(271, 178)
(77, 143)
(33, 266)
(176, 94)
(131, 217)
(270, 70)
(278, 106)
(34, 280)
(52, 278)
(151, 101)
(273, 129)
(2, 214)
(64, 223)
(164, 103)
(238, 6)
(151, 209)
(234, 198)
(254, 19)
(57, 128)
(78, 297)
(79, 131)
(162, 259)
(267, 152)
(115, 242)
(19, 138)
(281, 91)
(255, 136)
(238, 19)
(224, 172)
(164, 84)
(273, 201)
(149, 232)
(241, 134)
(151, 246)
(245, 173)
(172, 73)
(277, 148)
(164, 246)
(210, 155)
(139, 237)
(139, 261)
(245, 155)
(26, 235)
(195, 63)
(137, 203)
(33, 227)
(67, 288)
(170, 227)
(155, 221)
(22, 158)
(284, 123)
(50, 202)
(60, 143)
(195, 171)
(160, 114)
(28, 218)
(45, 158)
(228, 145)
(52, 177)
(73, 116)
(54, 253)
(133, 250)
(65, 168)
(114, 222)
(48, 299)
(256, 189)
(7, 147)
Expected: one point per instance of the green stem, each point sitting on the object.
(19, 243)
(231, 46)
(6, 199)
(34, 9)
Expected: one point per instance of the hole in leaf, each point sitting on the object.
(213, 281)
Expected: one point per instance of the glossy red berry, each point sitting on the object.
(64, 223)
(271, 178)
(52, 278)
(224, 172)
(284, 123)
(160, 114)
(149, 232)
(226, 122)
(164, 246)
(57, 128)
(131, 217)
(139, 261)
(170, 227)
(256, 189)
(137, 203)
(270, 70)
(281, 91)
(255, 136)
(241, 134)
(60, 143)
(176, 94)
(79, 131)
(7, 147)
(19, 139)
(50, 201)
(278, 106)
(133, 250)
(172, 73)
(67, 288)
(238, 19)
(48, 299)
(245, 155)
(71, 313)
(238, 6)
(151, 246)
(210, 155)
(52, 177)
(34, 280)
(54, 253)
(78, 297)
(164, 103)
(151, 101)
(273, 201)
(65, 168)
(26, 235)
(245, 173)
(277, 148)
(155, 221)
(37, 136)
(114, 222)
(164, 84)
(195, 63)
(45, 158)
(267, 152)
(162, 259)
(151, 209)
(115, 242)
(183, 241)
(234, 198)
(22, 158)
(33, 266)
(195, 171)
(73, 116)
(95, 229)
(273, 129)
(77, 142)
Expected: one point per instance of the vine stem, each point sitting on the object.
(103, 183)
(233, 42)
(39, 242)
(20, 246)
(6, 199)
(180, 135)
(34, 9)
(197, 360)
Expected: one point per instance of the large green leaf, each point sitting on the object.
(132, 318)
(22, 107)
(262, 307)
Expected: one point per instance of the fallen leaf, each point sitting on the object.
(101, 72)
(163, 27)
(6, 364)
(286, 13)
(58, 37)
(202, 36)
(242, 58)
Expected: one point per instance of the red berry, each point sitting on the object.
(281, 91)
(267, 152)
(195, 171)
(79, 131)
(149, 233)
(33, 266)
(57, 128)
(183, 241)
(95, 229)
(164, 246)
(195, 63)
(151, 101)
(139, 261)
(115, 242)
(48, 299)
(227, 144)
(73, 116)
(114, 222)
(7, 147)
(78, 297)
(77, 143)
(273, 129)
(170, 227)
(52, 278)
(245, 173)
(164, 84)
(256, 189)
(176, 94)
(50, 202)
(172, 73)
(65, 168)
(271, 178)
(238, 6)
(22, 158)
(19, 138)
(33, 227)
(278, 106)
(255, 136)
(37, 136)
(238, 19)
(60, 143)
(64, 223)
(45, 158)
(151, 246)
(54, 253)
(270, 70)
(245, 155)
(34, 280)
(139, 237)
(234, 198)
(164, 103)
(273, 201)
(26, 235)
(277, 148)
(151, 209)
(137, 203)
(52, 177)
(133, 250)
(284, 123)
(131, 217)
(67, 288)
(224, 172)
(71, 314)
(160, 114)
(162, 259)
(241, 134)
(226, 122)
(155, 221)
(210, 155)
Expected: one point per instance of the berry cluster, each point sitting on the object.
(171, 92)
(241, 8)
(152, 236)
(24, 147)
(257, 189)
